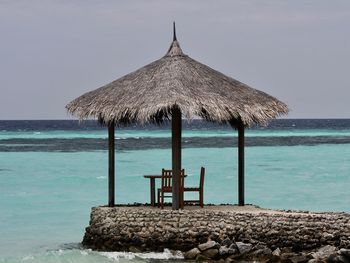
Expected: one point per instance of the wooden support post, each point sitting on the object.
(111, 165)
(240, 163)
(176, 156)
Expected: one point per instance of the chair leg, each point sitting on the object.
(182, 200)
(158, 199)
(162, 206)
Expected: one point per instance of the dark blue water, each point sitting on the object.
(74, 136)
(280, 124)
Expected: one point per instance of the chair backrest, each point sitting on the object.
(166, 178)
(201, 180)
(182, 180)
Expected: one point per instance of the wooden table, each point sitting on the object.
(152, 179)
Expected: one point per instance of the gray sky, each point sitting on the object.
(53, 51)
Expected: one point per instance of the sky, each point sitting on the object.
(54, 51)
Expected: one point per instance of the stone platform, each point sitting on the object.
(143, 228)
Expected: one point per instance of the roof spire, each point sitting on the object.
(175, 49)
(174, 31)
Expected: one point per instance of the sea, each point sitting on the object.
(53, 171)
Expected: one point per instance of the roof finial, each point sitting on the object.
(174, 49)
(174, 29)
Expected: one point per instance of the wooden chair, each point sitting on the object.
(197, 189)
(167, 187)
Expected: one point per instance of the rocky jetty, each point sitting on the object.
(231, 251)
(222, 234)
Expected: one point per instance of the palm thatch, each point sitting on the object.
(150, 93)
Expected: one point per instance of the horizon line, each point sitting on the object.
(73, 119)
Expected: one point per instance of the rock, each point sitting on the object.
(229, 260)
(286, 250)
(232, 251)
(287, 256)
(333, 259)
(276, 252)
(208, 245)
(119, 228)
(327, 235)
(259, 246)
(192, 254)
(262, 252)
(345, 243)
(343, 259)
(133, 249)
(324, 252)
(226, 242)
(345, 252)
(299, 259)
(201, 257)
(223, 251)
(232, 246)
(244, 248)
(211, 253)
(136, 240)
(233, 258)
(214, 236)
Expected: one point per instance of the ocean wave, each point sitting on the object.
(166, 134)
(166, 254)
(89, 256)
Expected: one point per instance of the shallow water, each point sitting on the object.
(87, 256)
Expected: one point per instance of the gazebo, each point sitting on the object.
(171, 88)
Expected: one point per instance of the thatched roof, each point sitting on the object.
(176, 80)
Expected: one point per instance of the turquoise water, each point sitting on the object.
(45, 197)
